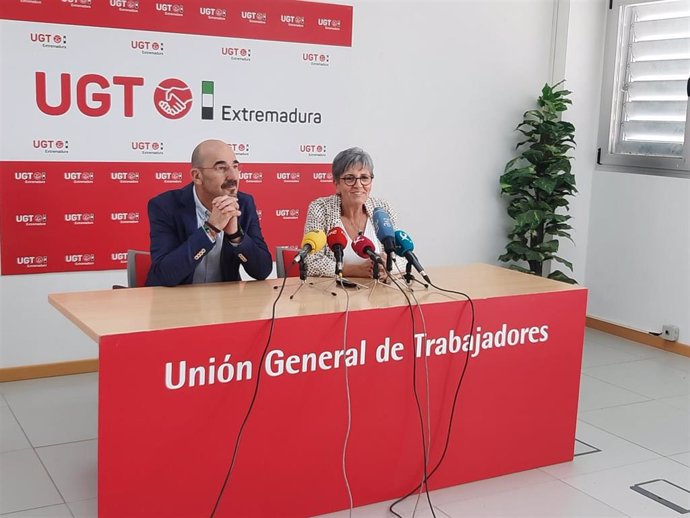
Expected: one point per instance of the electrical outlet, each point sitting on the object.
(670, 333)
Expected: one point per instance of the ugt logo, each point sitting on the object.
(213, 13)
(327, 23)
(92, 92)
(78, 3)
(155, 46)
(240, 149)
(125, 217)
(125, 5)
(312, 149)
(254, 17)
(33, 261)
(316, 59)
(80, 259)
(250, 177)
(173, 98)
(58, 39)
(80, 218)
(30, 176)
(125, 176)
(323, 177)
(120, 257)
(79, 176)
(169, 176)
(50, 144)
(170, 9)
(287, 213)
(32, 220)
(292, 21)
(288, 177)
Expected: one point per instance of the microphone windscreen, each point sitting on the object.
(314, 238)
(403, 243)
(383, 224)
(336, 236)
(360, 244)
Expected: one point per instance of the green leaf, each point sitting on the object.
(533, 113)
(564, 262)
(530, 219)
(533, 156)
(510, 164)
(546, 184)
(560, 276)
(550, 246)
(527, 133)
(521, 269)
(524, 252)
(516, 178)
(541, 187)
(567, 127)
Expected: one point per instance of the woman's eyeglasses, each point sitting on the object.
(351, 180)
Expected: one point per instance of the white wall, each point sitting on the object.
(638, 251)
(583, 60)
(438, 87)
(639, 257)
(32, 331)
(436, 91)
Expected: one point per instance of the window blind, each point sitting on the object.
(652, 82)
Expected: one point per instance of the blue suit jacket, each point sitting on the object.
(178, 244)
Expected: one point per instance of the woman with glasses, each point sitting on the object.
(351, 209)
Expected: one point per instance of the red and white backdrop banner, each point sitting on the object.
(102, 102)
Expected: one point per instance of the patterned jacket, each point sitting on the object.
(324, 214)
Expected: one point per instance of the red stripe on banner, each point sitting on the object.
(77, 216)
(300, 22)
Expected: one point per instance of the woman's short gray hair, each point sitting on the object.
(353, 157)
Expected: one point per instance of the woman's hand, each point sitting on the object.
(364, 270)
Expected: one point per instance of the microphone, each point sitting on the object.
(337, 241)
(385, 231)
(312, 242)
(364, 248)
(404, 247)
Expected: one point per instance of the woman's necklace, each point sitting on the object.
(355, 228)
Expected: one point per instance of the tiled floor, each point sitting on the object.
(634, 427)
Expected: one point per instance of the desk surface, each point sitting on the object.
(111, 312)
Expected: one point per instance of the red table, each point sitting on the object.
(178, 368)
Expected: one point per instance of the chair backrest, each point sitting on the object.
(138, 263)
(284, 256)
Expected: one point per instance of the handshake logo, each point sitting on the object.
(173, 98)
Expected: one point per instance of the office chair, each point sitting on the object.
(284, 256)
(138, 263)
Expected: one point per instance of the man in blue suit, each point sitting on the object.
(206, 230)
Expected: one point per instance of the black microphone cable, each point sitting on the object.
(428, 389)
(419, 409)
(251, 404)
(462, 374)
(452, 412)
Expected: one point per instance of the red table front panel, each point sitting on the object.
(171, 404)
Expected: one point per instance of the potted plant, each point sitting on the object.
(537, 183)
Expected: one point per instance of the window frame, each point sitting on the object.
(608, 118)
